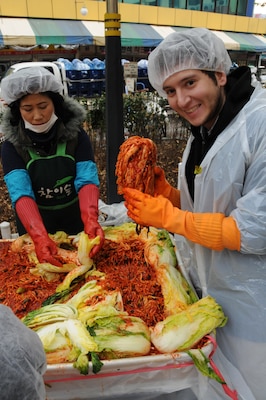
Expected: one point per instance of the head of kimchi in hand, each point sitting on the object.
(135, 165)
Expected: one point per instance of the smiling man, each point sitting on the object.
(194, 97)
(220, 210)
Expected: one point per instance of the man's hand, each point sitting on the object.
(162, 187)
(144, 209)
(212, 230)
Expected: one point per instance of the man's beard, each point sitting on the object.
(215, 113)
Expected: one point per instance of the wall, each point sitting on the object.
(70, 9)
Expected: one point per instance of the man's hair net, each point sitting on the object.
(31, 80)
(196, 48)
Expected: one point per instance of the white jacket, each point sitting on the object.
(22, 360)
(233, 181)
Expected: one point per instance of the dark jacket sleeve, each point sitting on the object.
(84, 151)
(10, 158)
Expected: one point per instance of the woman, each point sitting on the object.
(48, 161)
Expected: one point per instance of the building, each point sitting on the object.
(31, 30)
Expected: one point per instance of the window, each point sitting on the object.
(233, 7)
(221, 6)
(194, 5)
(131, 1)
(208, 5)
(149, 2)
(179, 4)
(164, 3)
(241, 7)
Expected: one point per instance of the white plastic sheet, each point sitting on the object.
(140, 378)
(112, 214)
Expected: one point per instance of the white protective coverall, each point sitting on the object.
(233, 181)
(22, 360)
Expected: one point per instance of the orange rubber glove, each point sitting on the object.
(88, 204)
(212, 230)
(28, 213)
(163, 187)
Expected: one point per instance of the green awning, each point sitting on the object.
(60, 32)
(37, 31)
(139, 35)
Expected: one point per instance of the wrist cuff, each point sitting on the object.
(231, 234)
(205, 229)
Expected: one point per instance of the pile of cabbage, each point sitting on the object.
(74, 332)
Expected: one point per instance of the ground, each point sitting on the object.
(169, 155)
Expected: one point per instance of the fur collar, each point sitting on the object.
(17, 136)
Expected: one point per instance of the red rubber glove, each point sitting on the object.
(163, 187)
(28, 213)
(88, 204)
(212, 230)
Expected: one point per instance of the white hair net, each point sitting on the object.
(31, 80)
(196, 48)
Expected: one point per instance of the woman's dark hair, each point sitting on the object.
(61, 110)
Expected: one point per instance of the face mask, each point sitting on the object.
(43, 128)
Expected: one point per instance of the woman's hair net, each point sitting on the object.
(31, 80)
(196, 48)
